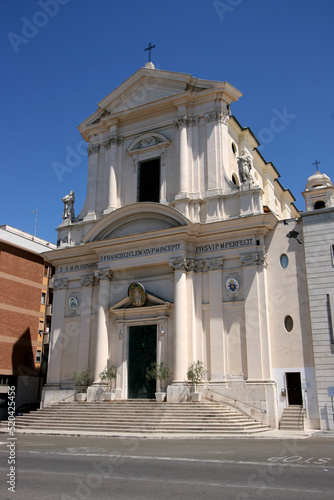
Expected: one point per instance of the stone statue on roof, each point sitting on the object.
(245, 167)
(68, 201)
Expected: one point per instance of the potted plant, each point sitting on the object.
(196, 374)
(81, 381)
(108, 375)
(158, 373)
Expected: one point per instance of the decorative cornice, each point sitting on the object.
(59, 283)
(253, 258)
(114, 139)
(93, 148)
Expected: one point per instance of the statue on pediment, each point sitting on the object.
(245, 167)
(68, 201)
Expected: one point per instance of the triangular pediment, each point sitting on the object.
(147, 86)
(151, 301)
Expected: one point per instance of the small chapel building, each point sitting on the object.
(187, 248)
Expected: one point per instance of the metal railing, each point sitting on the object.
(236, 400)
(63, 399)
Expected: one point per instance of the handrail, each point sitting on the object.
(63, 399)
(239, 401)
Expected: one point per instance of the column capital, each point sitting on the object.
(215, 264)
(88, 280)
(104, 274)
(114, 139)
(182, 121)
(216, 116)
(253, 259)
(179, 264)
(59, 283)
(93, 149)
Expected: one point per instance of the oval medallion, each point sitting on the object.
(232, 285)
(137, 294)
(73, 303)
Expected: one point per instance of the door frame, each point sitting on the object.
(156, 345)
(155, 314)
(299, 388)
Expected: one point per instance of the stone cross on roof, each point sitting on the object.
(149, 48)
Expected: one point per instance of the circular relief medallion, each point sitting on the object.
(137, 294)
(232, 285)
(73, 303)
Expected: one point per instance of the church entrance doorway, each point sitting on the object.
(142, 352)
(294, 388)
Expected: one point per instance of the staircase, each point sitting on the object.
(292, 418)
(138, 418)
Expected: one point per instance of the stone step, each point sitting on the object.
(139, 417)
(147, 428)
(146, 421)
(292, 418)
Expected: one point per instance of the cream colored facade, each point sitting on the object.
(205, 240)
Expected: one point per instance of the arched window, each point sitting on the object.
(319, 204)
(235, 179)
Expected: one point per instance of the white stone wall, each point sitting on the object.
(318, 230)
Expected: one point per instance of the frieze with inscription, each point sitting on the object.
(224, 245)
(77, 267)
(140, 253)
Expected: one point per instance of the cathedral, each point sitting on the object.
(187, 249)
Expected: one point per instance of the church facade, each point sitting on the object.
(187, 248)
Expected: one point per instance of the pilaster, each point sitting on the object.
(111, 177)
(256, 356)
(85, 320)
(181, 124)
(56, 344)
(101, 338)
(217, 368)
(180, 345)
(93, 157)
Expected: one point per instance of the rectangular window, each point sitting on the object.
(331, 315)
(41, 327)
(38, 356)
(332, 253)
(43, 299)
(149, 180)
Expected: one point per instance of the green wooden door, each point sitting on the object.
(142, 352)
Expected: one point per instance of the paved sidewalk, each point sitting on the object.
(270, 434)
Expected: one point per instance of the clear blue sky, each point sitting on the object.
(56, 66)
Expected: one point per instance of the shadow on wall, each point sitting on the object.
(28, 379)
(23, 356)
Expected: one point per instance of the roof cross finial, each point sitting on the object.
(149, 48)
(316, 163)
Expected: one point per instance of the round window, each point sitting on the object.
(234, 148)
(288, 323)
(284, 260)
